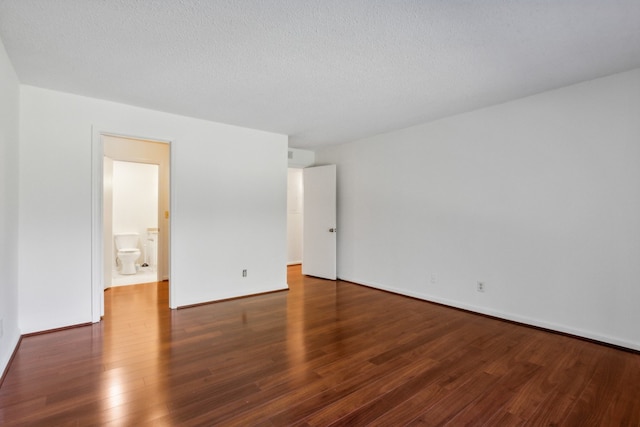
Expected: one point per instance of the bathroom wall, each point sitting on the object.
(230, 203)
(294, 216)
(135, 197)
(135, 200)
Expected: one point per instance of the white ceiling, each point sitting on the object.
(323, 71)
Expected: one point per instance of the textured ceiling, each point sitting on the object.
(324, 71)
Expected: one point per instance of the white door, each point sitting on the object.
(319, 223)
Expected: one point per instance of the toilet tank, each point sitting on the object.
(126, 240)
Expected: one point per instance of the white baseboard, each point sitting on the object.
(502, 315)
(6, 357)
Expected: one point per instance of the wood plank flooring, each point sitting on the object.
(321, 354)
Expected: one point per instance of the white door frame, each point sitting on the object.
(97, 215)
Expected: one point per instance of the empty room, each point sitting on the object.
(335, 213)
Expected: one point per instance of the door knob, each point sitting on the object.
(333, 230)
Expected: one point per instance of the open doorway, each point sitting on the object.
(139, 171)
(311, 220)
(295, 197)
(131, 222)
(136, 209)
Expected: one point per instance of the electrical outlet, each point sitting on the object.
(434, 279)
(244, 273)
(480, 287)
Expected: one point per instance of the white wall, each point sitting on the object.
(229, 190)
(9, 107)
(294, 216)
(135, 201)
(135, 197)
(301, 158)
(539, 198)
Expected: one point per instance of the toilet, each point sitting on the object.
(128, 252)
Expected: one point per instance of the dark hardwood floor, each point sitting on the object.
(324, 353)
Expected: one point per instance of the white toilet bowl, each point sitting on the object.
(128, 252)
(128, 258)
